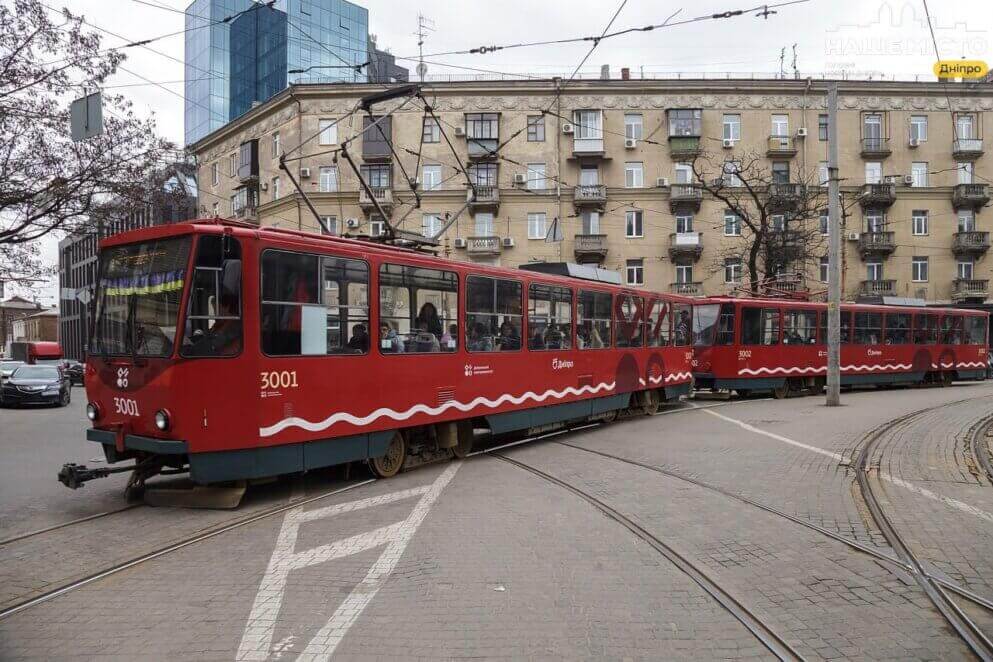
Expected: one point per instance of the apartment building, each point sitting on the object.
(612, 161)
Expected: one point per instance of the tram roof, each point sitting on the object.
(880, 307)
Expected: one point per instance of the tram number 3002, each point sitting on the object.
(278, 379)
(126, 406)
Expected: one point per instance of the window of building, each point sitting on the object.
(549, 317)
(314, 305)
(799, 327)
(275, 188)
(376, 176)
(634, 174)
(589, 176)
(781, 172)
(634, 223)
(588, 124)
(965, 269)
(873, 172)
(275, 145)
(759, 326)
(918, 267)
(431, 224)
(684, 273)
(732, 127)
(633, 126)
(328, 129)
(875, 221)
(430, 177)
(965, 172)
(593, 320)
(966, 220)
(919, 222)
(482, 126)
(215, 209)
(233, 165)
(331, 223)
(824, 220)
(536, 177)
(431, 130)
(823, 175)
(493, 314)
(780, 126)
(685, 121)
(872, 130)
(824, 269)
(590, 221)
(731, 173)
(964, 126)
(777, 222)
(536, 128)
(684, 173)
(732, 269)
(328, 182)
(417, 310)
(635, 272)
(483, 174)
(918, 128)
(657, 324)
(874, 271)
(868, 328)
(215, 174)
(822, 127)
(732, 224)
(376, 226)
(918, 172)
(536, 225)
(684, 223)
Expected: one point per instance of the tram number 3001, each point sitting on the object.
(126, 406)
(278, 379)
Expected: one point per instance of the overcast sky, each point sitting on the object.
(888, 38)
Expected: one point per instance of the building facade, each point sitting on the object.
(619, 164)
(42, 326)
(11, 310)
(232, 64)
(168, 196)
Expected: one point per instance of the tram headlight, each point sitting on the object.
(92, 411)
(162, 420)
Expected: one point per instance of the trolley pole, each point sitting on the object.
(834, 255)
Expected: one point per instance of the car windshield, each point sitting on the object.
(138, 297)
(36, 372)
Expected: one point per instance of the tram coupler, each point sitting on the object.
(74, 475)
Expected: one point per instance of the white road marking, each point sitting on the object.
(256, 640)
(916, 489)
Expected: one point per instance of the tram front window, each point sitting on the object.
(705, 324)
(213, 318)
(138, 297)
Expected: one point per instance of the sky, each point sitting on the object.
(882, 38)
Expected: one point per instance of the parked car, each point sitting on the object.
(74, 371)
(36, 385)
(7, 367)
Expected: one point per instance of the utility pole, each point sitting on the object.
(834, 255)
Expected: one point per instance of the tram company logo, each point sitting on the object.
(122, 377)
(560, 364)
(476, 370)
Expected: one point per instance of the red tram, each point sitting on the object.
(239, 352)
(780, 345)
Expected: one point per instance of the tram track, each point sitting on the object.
(64, 525)
(981, 448)
(766, 635)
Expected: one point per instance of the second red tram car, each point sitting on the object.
(778, 345)
(241, 352)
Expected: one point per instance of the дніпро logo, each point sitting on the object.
(960, 69)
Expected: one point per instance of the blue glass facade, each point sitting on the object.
(231, 65)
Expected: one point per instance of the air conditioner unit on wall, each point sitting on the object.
(630, 143)
(914, 142)
(728, 143)
(304, 173)
(459, 242)
(520, 178)
(891, 179)
(853, 236)
(508, 242)
(662, 182)
(264, 186)
(352, 222)
(567, 128)
(801, 132)
(460, 131)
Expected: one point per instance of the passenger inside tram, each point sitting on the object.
(359, 342)
(510, 337)
(390, 342)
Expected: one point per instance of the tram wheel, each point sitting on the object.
(390, 463)
(781, 392)
(743, 392)
(610, 416)
(464, 447)
(650, 402)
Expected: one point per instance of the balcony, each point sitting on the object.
(878, 288)
(967, 149)
(590, 195)
(382, 195)
(483, 246)
(685, 244)
(590, 248)
(376, 139)
(875, 148)
(482, 148)
(877, 195)
(784, 245)
(684, 147)
(787, 283)
(486, 198)
(687, 289)
(969, 288)
(785, 196)
(685, 196)
(587, 148)
(780, 147)
(876, 243)
(970, 244)
(970, 196)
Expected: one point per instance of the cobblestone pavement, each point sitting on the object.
(482, 559)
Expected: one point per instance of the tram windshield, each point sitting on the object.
(138, 297)
(705, 324)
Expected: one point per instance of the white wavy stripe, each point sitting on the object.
(426, 409)
(851, 368)
(671, 378)
(976, 364)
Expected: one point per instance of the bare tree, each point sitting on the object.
(778, 212)
(47, 181)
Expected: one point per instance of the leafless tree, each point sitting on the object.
(778, 213)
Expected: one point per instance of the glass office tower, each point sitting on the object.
(239, 52)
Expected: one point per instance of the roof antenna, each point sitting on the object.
(424, 25)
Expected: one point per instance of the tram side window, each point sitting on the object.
(897, 331)
(657, 331)
(951, 330)
(760, 326)
(800, 327)
(846, 327)
(346, 303)
(417, 310)
(629, 313)
(549, 317)
(682, 325)
(868, 328)
(290, 303)
(213, 319)
(925, 329)
(493, 314)
(593, 313)
(975, 330)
